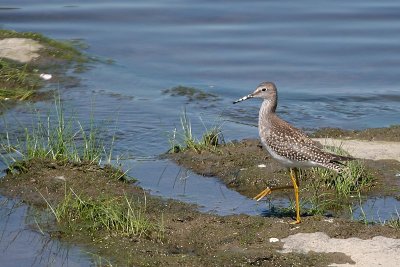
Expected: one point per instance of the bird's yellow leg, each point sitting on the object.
(295, 181)
(269, 190)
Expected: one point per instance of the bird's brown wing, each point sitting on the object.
(290, 142)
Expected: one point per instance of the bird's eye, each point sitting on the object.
(264, 89)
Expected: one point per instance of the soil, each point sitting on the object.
(191, 238)
(247, 168)
(391, 133)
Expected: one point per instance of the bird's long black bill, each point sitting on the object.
(243, 98)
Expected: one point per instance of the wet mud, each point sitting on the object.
(247, 168)
(391, 133)
(191, 238)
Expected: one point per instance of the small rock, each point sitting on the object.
(45, 76)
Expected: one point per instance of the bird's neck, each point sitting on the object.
(268, 107)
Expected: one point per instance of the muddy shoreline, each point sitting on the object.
(192, 238)
(245, 167)
(391, 134)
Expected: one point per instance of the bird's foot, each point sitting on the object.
(263, 193)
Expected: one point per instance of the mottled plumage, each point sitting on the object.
(292, 148)
(287, 144)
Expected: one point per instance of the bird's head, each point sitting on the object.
(266, 90)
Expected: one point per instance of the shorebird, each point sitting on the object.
(287, 144)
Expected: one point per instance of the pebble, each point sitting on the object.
(45, 76)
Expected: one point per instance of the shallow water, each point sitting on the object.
(21, 246)
(334, 64)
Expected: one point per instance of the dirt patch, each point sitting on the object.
(391, 134)
(191, 238)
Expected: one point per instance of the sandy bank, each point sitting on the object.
(377, 251)
(374, 150)
(19, 49)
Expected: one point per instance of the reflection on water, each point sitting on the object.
(377, 209)
(166, 179)
(23, 244)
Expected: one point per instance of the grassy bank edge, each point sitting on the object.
(20, 81)
(65, 141)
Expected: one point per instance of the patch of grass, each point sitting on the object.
(53, 48)
(100, 261)
(394, 221)
(59, 138)
(185, 140)
(363, 218)
(16, 93)
(354, 177)
(17, 81)
(116, 215)
(319, 204)
(20, 81)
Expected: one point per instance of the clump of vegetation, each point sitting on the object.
(20, 81)
(185, 140)
(60, 139)
(191, 93)
(17, 81)
(354, 179)
(58, 50)
(65, 142)
(394, 223)
(116, 215)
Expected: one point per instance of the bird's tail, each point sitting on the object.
(336, 164)
(337, 158)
